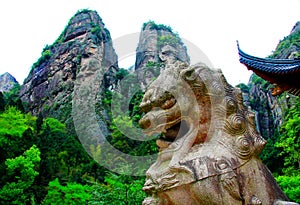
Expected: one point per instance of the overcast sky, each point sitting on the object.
(211, 25)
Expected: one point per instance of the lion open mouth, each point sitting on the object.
(163, 116)
(172, 134)
(169, 131)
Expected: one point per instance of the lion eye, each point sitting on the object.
(168, 104)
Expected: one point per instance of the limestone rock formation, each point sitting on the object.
(209, 151)
(154, 40)
(7, 82)
(83, 48)
(268, 108)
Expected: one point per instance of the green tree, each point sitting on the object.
(62, 156)
(122, 129)
(121, 73)
(271, 156)
(118, 190)
(71, 194)
(2, 102)
(20, 174)
(290, 140)
(289, 146)
(128, 138)
(291, 186)
(126, 134)
(12, 98)
(154, 26)
(172, 40)
(16, 133)
(14, 122)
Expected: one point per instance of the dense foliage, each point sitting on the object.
(291, 186)
(172, 40)
(123, 108)
(118, 190)
(288, 146)
(72, 194)
(153, 26)
(289, 141)
(41, 163)
(19, 177)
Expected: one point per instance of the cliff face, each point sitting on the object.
(155, 43)
(85, 48)
(49, 87)
(270, 110)
(7, 82)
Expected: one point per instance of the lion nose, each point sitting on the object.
(145, 122)
(145, 106)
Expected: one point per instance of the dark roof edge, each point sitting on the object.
(266, 60)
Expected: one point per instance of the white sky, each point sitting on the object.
(212, 25)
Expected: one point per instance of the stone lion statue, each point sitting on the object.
(209, 146)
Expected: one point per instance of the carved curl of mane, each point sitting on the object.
(228, 113)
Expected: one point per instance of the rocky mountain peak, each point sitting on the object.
(153, 39)
(7, 82)
(157, 45)
(49, 86)
(296, 28)
(82, 23)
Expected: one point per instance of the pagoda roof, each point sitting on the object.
(283, 73)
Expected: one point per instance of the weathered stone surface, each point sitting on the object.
(7, 82)
(49, 87)
(209, 151)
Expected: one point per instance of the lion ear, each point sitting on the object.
(188, 74)
(192, 72)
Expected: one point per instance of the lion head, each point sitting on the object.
(190, 104)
